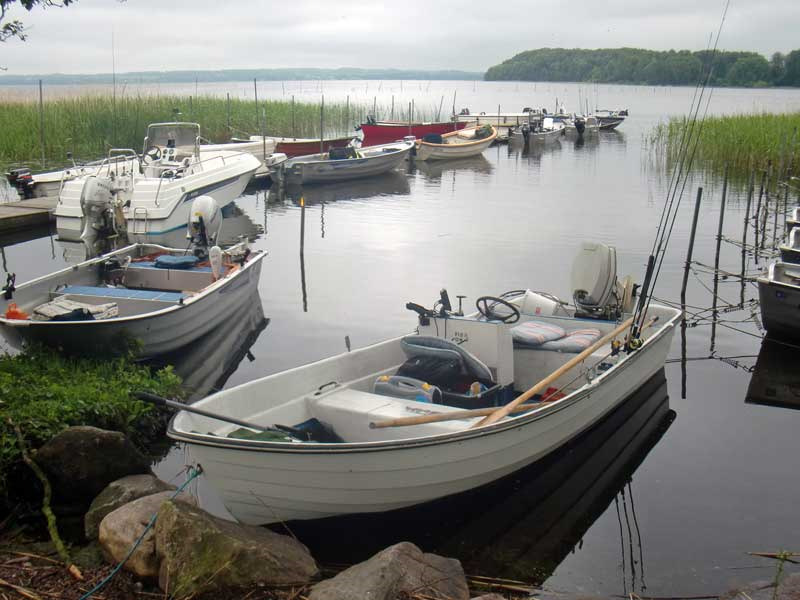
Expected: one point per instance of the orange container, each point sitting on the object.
(14, 313)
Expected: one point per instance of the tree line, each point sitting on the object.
(634, 65)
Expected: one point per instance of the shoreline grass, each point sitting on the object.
(89, 125)
(744, 142)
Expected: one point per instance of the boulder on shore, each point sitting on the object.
(81, 461)
(200, 553)
(118, 493)
(402, 568)
(120, 529)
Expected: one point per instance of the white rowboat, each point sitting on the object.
(457, 144)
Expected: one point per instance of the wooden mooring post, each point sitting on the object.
(41, 121)
(686, 269)
(750, 191)
(714, 294)
(757, 216)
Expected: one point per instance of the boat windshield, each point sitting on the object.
(181, 136)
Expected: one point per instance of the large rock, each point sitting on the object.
(402, 568)
(118, 493)
(120, 529)
(200, 553)
(81, 461)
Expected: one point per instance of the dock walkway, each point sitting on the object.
(27, 213)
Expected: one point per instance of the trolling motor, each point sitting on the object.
(9, 288)
(22, 180)
(442, 308)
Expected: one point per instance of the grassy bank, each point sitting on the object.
(43, 392)
(88, 126)
(742, 141)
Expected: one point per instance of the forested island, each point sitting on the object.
(346, 73)
(637, 66)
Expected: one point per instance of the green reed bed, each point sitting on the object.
(743, 142)
(88, 126)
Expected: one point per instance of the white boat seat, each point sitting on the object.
(547, 336)
(110, 292)
(423, 345)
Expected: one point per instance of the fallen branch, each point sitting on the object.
(20, 590)
(52, 527)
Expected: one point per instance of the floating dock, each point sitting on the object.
(27, 213)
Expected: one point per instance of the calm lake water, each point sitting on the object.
(666, 499)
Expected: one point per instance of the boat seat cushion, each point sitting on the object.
(423, 345)
(63, 309)
(111, 292)
(575, 341)
(535, 333)
(168, 261)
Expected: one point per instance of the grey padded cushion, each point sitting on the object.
(575, 341)
(423, 345)
(536, 333)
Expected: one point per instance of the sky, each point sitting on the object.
(472, 35)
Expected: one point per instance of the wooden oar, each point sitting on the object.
(505, 410)
(153, 399)
(452, 415)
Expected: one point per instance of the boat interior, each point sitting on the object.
(785, 273)
(453, 362)
(136, 281)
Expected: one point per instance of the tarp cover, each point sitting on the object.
(167, 261)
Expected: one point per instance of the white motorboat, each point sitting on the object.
(340, 164)
(47, 184)
(504, 122)
(610, 119)
(456, 144)
(159, 298)
(326, 439)
(262, 148)
(779, 297)
(541, 131)
(151, 196)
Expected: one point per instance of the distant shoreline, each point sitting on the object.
(241, 75)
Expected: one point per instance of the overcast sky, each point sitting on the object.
(426, 34)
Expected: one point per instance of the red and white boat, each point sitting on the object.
(302, 146)
(384, 132)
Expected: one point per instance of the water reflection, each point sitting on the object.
(523, 526)
(434, 169)
(775, 381)
(393, 183)
(205, 365)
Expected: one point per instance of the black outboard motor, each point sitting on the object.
(21, 179)
(526, 132)
(580, 125)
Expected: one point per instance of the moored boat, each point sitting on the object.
(779, 297)
(157, 297)
(456, 144)
(346, 163)
(382, 132)
(539, 131)
(292, 147)
(790, 252)
(334, 437)
(610, 119)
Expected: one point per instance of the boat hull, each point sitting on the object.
(384, 133)
(313, 170)
(779, 308)
(269, 484)
(428, 151)
(299, 147)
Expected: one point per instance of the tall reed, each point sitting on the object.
(89, 125)
(743, 141)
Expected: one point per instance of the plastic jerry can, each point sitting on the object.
(407, 388)
(15, 313)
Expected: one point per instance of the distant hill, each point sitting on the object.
(634, 65)
(239, 75)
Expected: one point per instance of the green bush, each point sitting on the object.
(44, 392)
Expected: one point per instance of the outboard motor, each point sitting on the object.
(580, 125)
(596, 291)
(100, 215)
(22, 180)
(205, 222)
(526, 132)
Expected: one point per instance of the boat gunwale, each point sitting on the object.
(296, 160)
(510, 422)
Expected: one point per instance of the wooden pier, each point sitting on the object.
(27, 213)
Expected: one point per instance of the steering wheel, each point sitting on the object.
(487, 304)
(152, 154)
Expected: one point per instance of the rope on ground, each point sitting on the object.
(193, 472)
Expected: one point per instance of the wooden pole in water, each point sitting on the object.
(228, 111)
(302, 252)
(409, 118)
(375, 107)
(766, 207)
(294, 129)
(41, 120)
(686, 268)
(321, 125)
(716, 260)
(750, 190)
(391, 118)
(757, 215)
(454, 101)
(255, 94)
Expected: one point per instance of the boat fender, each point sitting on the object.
(215, 258)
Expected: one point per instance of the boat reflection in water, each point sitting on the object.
(435, 169)
(205, 365)
(523, 526)
(775, 381)
(393, 183)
